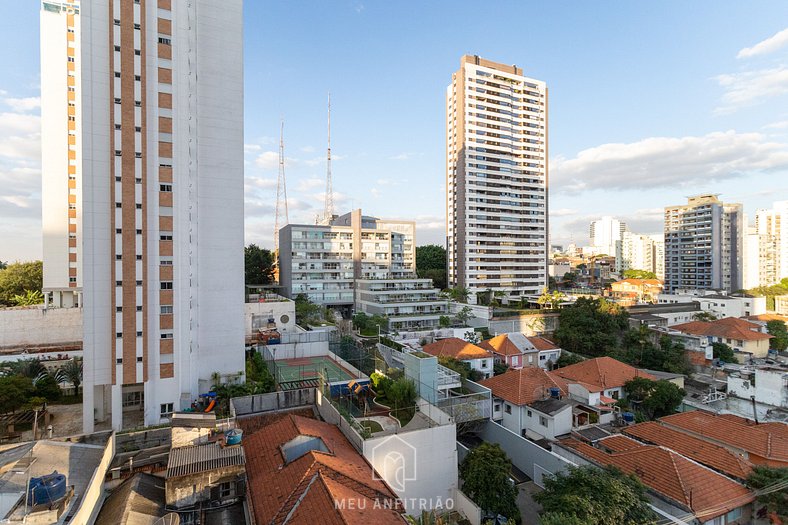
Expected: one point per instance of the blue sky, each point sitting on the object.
(649, 103)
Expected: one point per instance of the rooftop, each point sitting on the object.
(713, 456)
(194, 459)
(516, 343)
(707, 493)
(456, 348)
(137, 501)
(729, 327)
(768, 440)
(525, 385)
(549, 406)
(601, 372)
(303, 491)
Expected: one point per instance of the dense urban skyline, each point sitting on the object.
(675, 100)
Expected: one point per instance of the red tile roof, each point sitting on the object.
(540, 343)
(714, 456)
(501, 345)
(307, 487)
(640, 282)
(524, 385)
(456, 348)
(707, 493)
(769, 441)
(601, 372)
(619, 443)
(729, 328)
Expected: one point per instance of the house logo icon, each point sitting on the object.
(394, 461)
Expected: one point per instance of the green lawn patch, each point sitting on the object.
(372, 426)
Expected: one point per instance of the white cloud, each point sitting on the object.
(563, 212)
(252, 148)
(267, 160)
(257, 182)
(777, 125)
(23, 104)
(770, 45)
(375, 192)
(751, 87)
(401, 156)
(307, 149)
(668, 162)
(309, 184)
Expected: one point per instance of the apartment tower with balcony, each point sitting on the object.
(704, 241)
(142, 141)
(496, 179)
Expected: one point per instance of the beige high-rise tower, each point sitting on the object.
(142, 141)
(496, 179)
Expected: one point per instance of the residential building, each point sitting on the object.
(479, 359)
(531, 402)
(676, 485)
(142, 134)
(771, 227)
(658, 255)
(600, 380)
(781, 304)
(748, 340)
(751, 271)
(604, 235)
(760, 444)
(496, 179)
(765, 384)
(717, 303)
(636, 290)
(704, 244)
(517, 350)
(360, 261)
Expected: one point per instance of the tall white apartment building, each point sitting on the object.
(605, 233)
(704, 242)
(496, 179)
(142, 141)
(634, 252)
(771, 226)
(659, 255)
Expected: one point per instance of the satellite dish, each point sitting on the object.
(169, 519)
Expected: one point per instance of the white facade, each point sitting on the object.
(768, 385)
(605, 233)
(751, 261)
(659, 255)
(496, 179)
(524, 418)
(154, 193)
(639, 252)
(257, 315)
(409, 304)
(771, 227)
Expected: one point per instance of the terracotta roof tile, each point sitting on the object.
(619, 443)
(770, 441)
(714, 456)
(602, 372)
(524, 385)
(279, 488)
(540, 343)
(456, 348)
(501, 345)
(706, 492)
(517, 344)
(729, 328)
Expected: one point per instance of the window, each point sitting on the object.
(139, 308)
(139, 283)
(139, 359)
(484, 363)
(118, 283)
(117, 74)
(166, 409)
(165, 237)
(137, 77)
(117, 48)
(166, 309)
(139, 257)
(118, 230)
(733, 515)
(225, 490)
(118, 153)
(139, 334)
(139, 232)
(118, 205)
(139, 207)
(166, 285)
(165, 187)
(507, 408)
(119, 361)
(529, 413)
(166, 336)
(166, 41)
(543, 421)
(542, 357)
(118, 308)
(117, 127)
(132, 399)
(118, 257)
(119, 335)
(136, 26)
(137, 51)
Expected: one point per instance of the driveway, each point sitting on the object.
(529, 509)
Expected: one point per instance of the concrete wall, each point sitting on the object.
(529, 325)
(467, 508)
(283, 313)
(35, 326)
(184, 491)
(526, 455)
(241, 406)
(89, 506)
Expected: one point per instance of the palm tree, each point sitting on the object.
(71, 372)
(31, 368)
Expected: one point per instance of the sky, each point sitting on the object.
(649, 102)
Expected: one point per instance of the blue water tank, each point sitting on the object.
(629, 417)
(233, 437)
(46, 489)
(555, 392)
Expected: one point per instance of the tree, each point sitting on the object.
(778, 329)
(723, 352)
(464, 315)
(47, 388)
(770, 292)
(258, 266)
(29, 298)
(500, 368)
(459, 294)
(3, 265)
(18, 278)
(306, 311)
(15, 392)
(30, 368)
(360, 320)
(590, 326)
(550, 299)
(569, 280)
(71, 372)
(591, 496)
(654, 399)
(704, 316)
(772, 501)
(638, 274)
(444, 321)
(431, 263)
(485, 479)
(567, 358)
(257, 372)
(380, 321)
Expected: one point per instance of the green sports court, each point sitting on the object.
(306, 371)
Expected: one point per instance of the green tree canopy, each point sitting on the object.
(306, 311)
(770, 292)
(654, 399)
(723, 352)
(594, 496)
(638, 274)
(431, 263)
(15, 392)
(772, 499)
(485, 479)
(258, 266)
(778, 329)
(591, 326)
(18, 278)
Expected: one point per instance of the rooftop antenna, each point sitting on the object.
(328, 212)
(282, 217)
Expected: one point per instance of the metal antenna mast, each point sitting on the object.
(282, 217)
(328, 212)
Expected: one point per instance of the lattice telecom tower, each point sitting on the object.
(282, 217)
(328, 212)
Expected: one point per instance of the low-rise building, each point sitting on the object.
(409, 304)
(766, 384)
(781, 304)
(717, 302)
(602, 377)
(747, 339)
(517, 350)
(636, 290)
(479, 359)
(531, 402)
